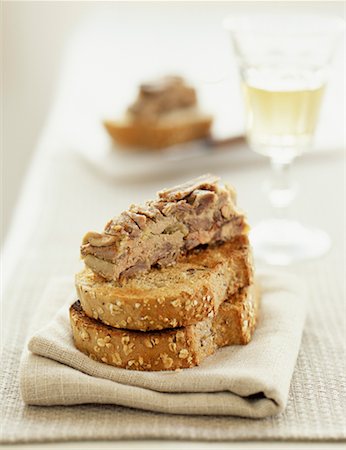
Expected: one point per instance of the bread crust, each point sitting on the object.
(132, 136)
(186, 293)
(236, 319)
(171, 349)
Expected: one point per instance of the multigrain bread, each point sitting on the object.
(165, 113)
(171, 130)
(169, 349)
(235, 322)
(176, 296)
(156, 234)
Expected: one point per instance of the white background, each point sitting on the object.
(45, 44)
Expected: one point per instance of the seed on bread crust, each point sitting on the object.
(167, 361)
(184, 353)
(172, 346)
(84, 334)
(169, 349)
(154, 340)
(176, 303)
(148, 344)
(101, 342)
(116, 359)
(114, 309)
(180, 336)
(173, 323)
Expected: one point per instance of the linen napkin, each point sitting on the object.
(247, 381)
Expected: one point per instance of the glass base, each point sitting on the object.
(281, 242)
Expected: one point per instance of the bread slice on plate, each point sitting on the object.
(171, 129)
(176, 296)
(170, 349)
(165, 113)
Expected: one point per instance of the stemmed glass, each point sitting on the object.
(283, 63)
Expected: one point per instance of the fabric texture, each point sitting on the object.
(61, 200)
(247, 381)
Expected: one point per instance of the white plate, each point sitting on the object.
(97, 151)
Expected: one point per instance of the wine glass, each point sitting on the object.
(283, 63)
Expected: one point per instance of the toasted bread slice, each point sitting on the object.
(183, 125)
(176, 296)
(169, 349)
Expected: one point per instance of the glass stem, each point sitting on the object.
(281, 190)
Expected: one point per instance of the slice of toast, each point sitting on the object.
(165, 113)
(169, 349)
(186, 124)
(176, 296)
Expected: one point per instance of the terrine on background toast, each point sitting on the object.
(165, 113)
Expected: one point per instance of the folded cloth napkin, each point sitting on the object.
(248, 381)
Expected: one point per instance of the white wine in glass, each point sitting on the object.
(282, 119)
(284, 62)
